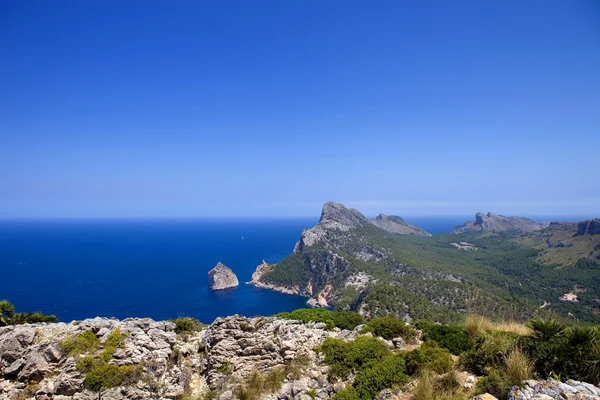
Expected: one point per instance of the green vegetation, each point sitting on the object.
(428, 278)
(347, 357)
(85, 342)
(8, 316)
(566, 352)
(95, 361)
(187, 325)
(105, 376)
(451, 337)
(390, 328)
(381, 374)
(340, 319)
(429, 357)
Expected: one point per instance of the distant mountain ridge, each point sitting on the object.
(396, 224)
(350, 262)
(498, 223)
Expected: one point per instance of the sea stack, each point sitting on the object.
(222, 277)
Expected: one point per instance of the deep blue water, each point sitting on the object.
(149, 268)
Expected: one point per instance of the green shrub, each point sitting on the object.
(389, 328)
(570, 353)
(32, 318)
(489, 351)
(106, 376)
(187, 325)
(493, 384)
(346, 394)
(347, 319)
(380, 375)
(428, 357)
(341, 319)
(346, 357)
(452, 337)
(87, 363)
(82, 343)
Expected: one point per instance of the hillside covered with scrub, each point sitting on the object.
(303, 355)
(349, 263)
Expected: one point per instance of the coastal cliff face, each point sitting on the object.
(329, 260)
(498, 223)
(395, 224)
(222, 277)
(348, 261)
(35, 363)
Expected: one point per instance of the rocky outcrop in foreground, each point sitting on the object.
(35, 364)
(498, 223)
(395, 224)
(222, 277)
(550, 390)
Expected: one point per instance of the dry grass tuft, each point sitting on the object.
(513, 327)
(518, 368)
(476, 325)
(445, 387)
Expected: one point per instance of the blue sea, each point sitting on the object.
(153, 268)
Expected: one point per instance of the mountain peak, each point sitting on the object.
(491, 222)
(340, 213)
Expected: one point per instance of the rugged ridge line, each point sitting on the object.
(498, 223)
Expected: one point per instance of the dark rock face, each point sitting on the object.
(498, 223)
(396, 224)
(222, 277)
(589, 227)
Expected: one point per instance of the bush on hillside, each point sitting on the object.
(389, 328)
(347, 357)
(428, 357)
(340, 319)
(489, 351)
(187, 325)
(567, 352)
(451, 337)
(379, 375)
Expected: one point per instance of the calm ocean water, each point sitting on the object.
(78, 269)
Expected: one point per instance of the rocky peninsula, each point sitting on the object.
(222, 277)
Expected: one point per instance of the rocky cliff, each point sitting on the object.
(213, 362)
(396, 224)
(35, 362)
(341, 255)
(498, 223)
(222, 277)
(589, 227)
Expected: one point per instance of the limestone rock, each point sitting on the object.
(222, 277)
(485, 396)
(395, 224)
(556, 390)
(498, 223)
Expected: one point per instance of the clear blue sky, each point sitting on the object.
(267, 108)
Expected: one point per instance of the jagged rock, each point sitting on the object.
(396, 224)
(556, 390)
(498, 223)
(70, 380)
(485, 396)
(34, 369)
(222, 277)
(589, 227)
